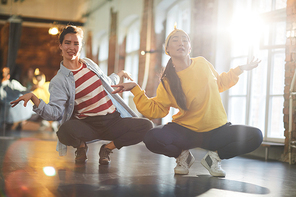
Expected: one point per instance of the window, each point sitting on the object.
(103, 54)
(132, 57)
(180, 14)
(259, 30)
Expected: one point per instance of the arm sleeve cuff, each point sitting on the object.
(115, 78)
(136, 90)
(40, 106)
(238, 71)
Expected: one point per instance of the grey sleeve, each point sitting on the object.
(57, 104)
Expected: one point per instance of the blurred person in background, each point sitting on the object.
(27, 80)
(9, 91)
(40, 88)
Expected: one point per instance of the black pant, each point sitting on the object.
(229, 140)
(122, 131)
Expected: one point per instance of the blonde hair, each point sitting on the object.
(37, 73)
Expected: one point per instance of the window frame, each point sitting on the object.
(274, 17)
(104, 60)
(132, 52)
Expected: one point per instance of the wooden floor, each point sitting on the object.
(30, 166)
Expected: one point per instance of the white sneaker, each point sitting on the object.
(184, 162)
(212, 163)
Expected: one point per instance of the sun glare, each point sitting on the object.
(246, 27)
(49, 171)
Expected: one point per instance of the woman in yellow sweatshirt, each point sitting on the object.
(193, 86)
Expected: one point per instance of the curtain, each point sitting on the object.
(15, 28)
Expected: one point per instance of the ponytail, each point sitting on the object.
(175, 84)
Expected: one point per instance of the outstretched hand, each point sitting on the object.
(24, 98)
(123, 87)
(251, 65)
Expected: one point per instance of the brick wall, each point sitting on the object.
(154, 54)
(4, 34)
(112, 42)
(147, 27)
(88, 48)
(37, 49)
(121, 54)
(204, 16)
(289, 72)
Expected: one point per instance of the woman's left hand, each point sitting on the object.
(253, 64)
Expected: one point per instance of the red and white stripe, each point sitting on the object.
(90, 97)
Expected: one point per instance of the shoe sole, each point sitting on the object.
(204, 163)
(181, 172)
(81, 161)
(104, 162)
(187, 172)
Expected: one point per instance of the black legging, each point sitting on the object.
(229, 140)
(122, 131)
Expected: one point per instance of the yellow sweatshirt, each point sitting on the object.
(202, 86)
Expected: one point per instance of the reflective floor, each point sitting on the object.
(30, 166)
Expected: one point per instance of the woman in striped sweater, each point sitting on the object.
(80, 97)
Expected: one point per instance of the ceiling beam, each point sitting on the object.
(5, 17)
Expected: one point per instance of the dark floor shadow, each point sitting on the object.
(192, 186)
(159, 186)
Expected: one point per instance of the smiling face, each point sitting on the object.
(71, 46)
(178, 45)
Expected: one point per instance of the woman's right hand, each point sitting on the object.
(121, 87)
